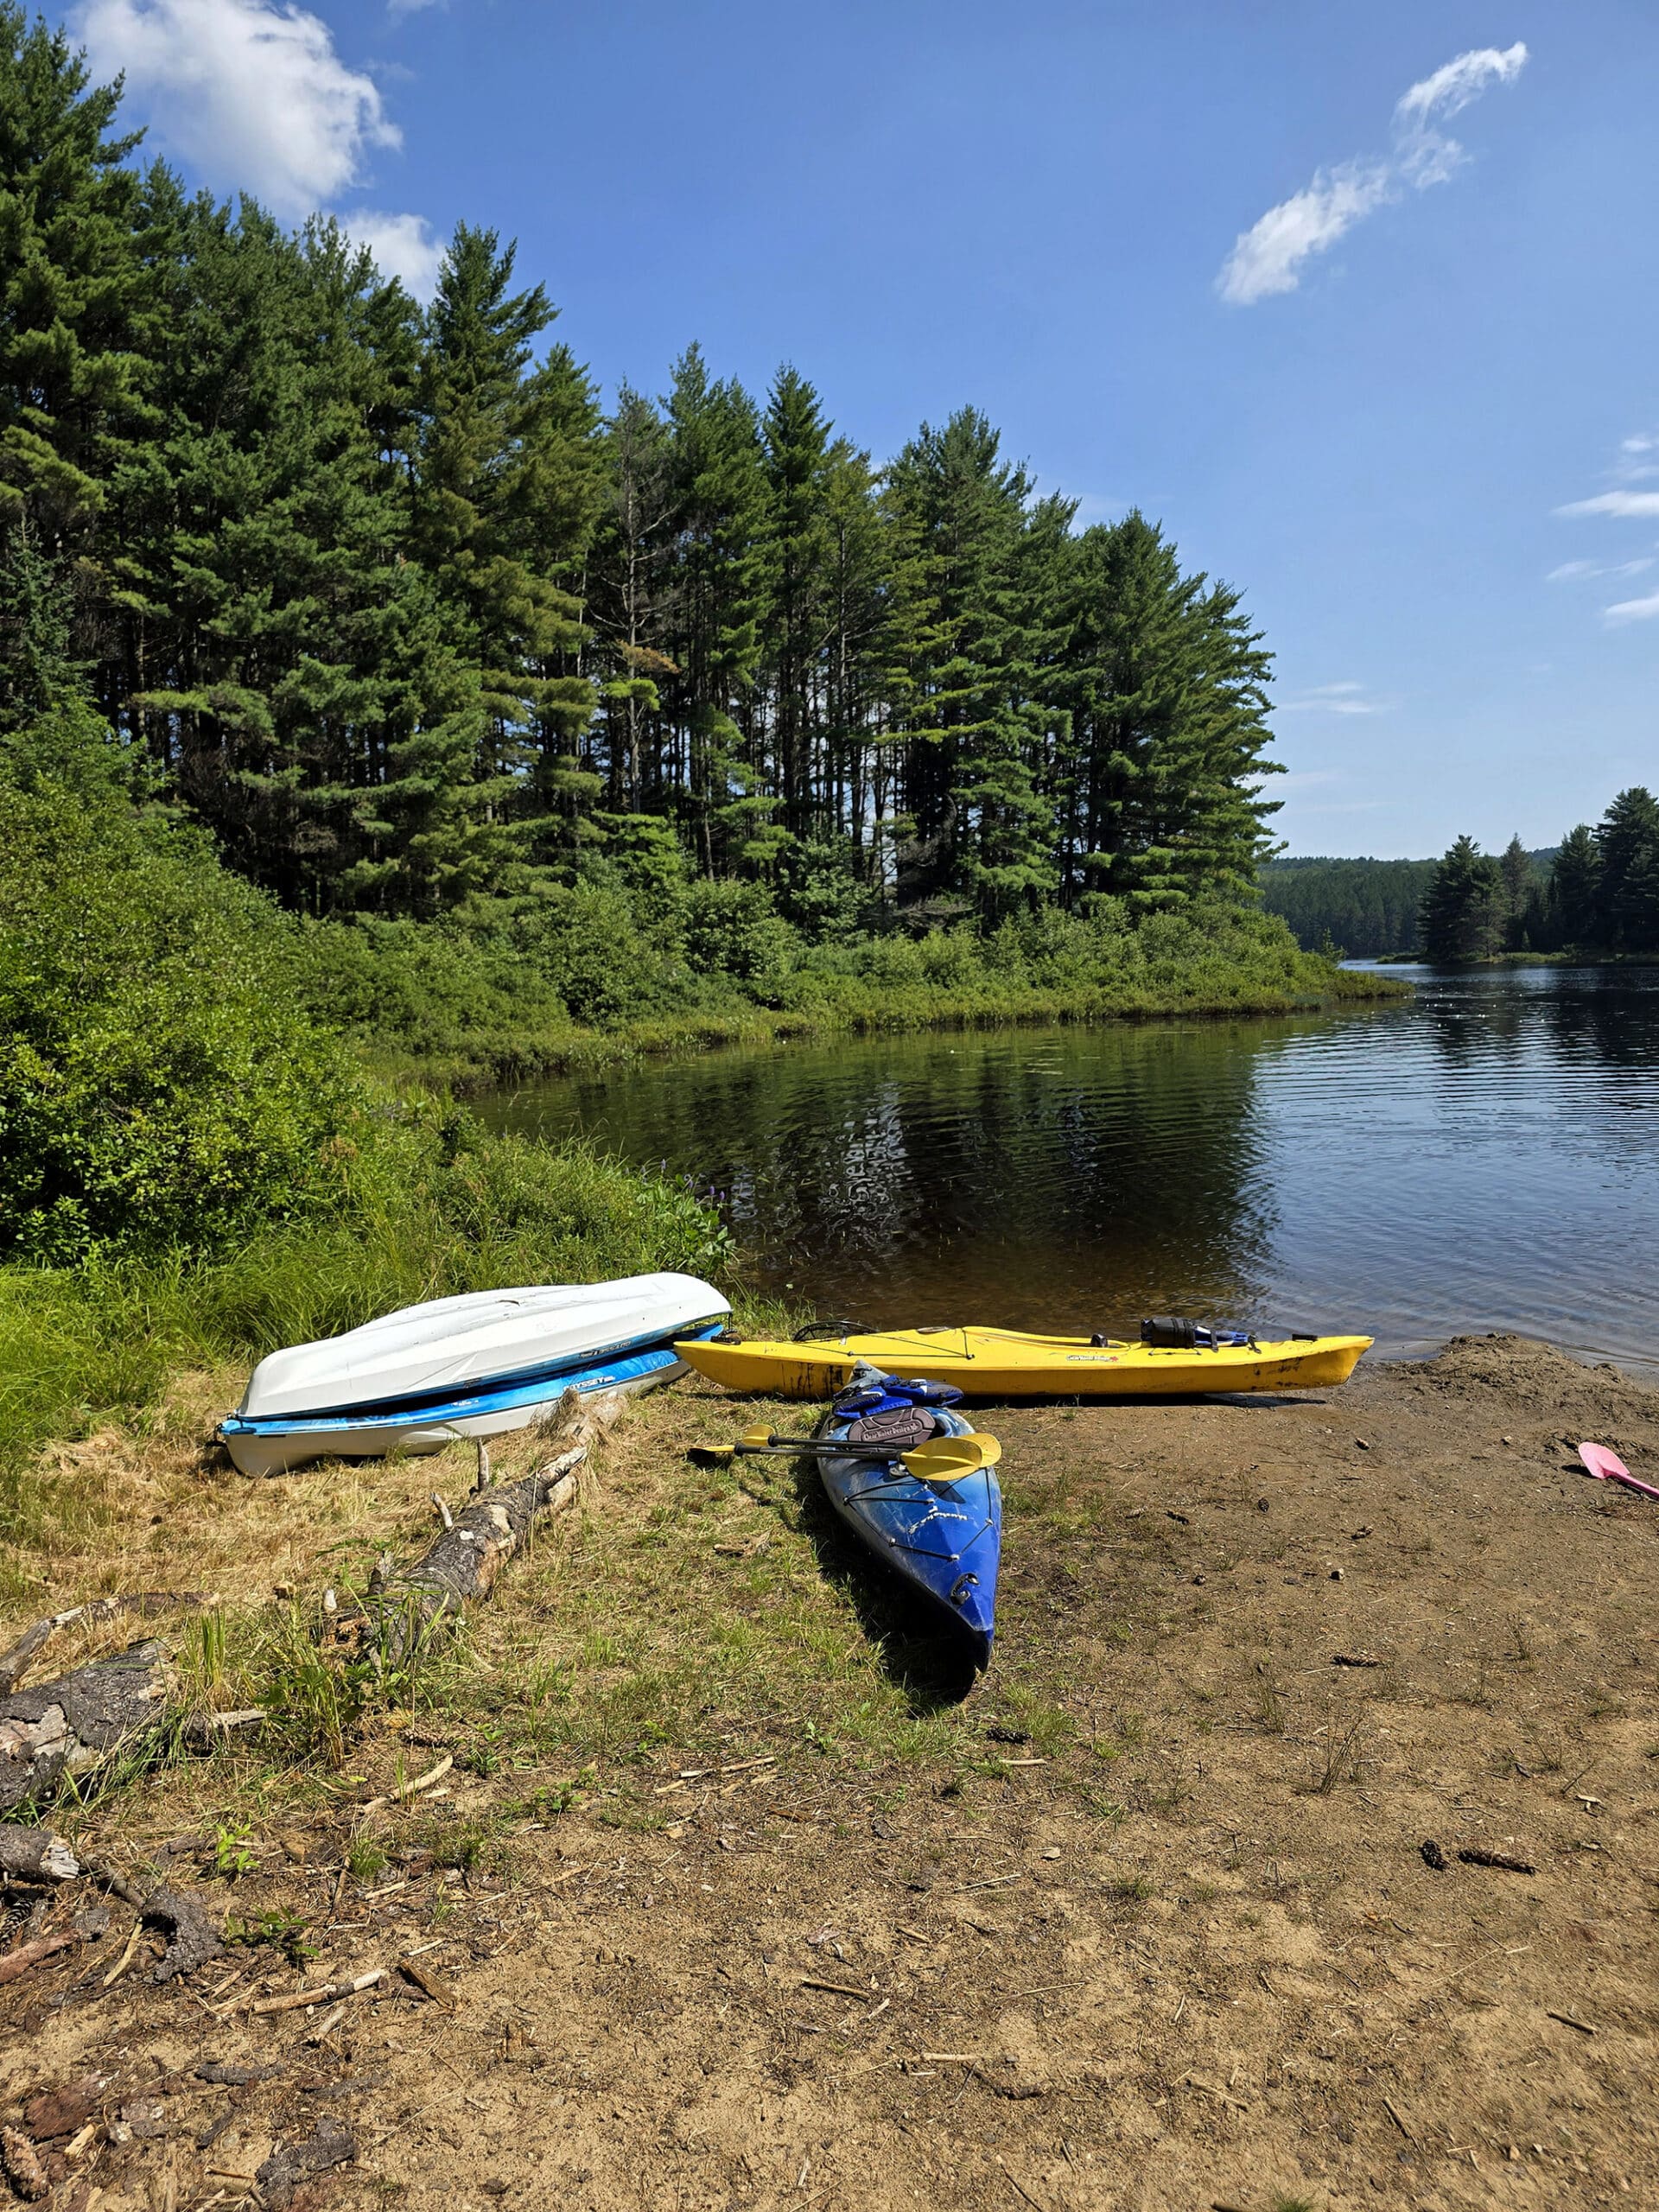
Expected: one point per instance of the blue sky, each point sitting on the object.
(1036, 210)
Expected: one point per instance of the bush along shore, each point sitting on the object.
(589, 980)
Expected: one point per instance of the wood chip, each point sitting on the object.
(17, 1961)
(1497, 1860)
(427, 1978)
(1389, 2108)
(839, 1989)
(125, 1958)
(1567, 2021)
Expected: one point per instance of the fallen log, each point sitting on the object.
(462, 1567)
(473, 1545)
(35, 1855)
(79, 1722)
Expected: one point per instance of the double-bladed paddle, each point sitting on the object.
(941, 1459)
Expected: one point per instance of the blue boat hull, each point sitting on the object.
(271, 1444)
(943, 1540)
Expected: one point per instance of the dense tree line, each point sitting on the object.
(1366, 908)
(1600, 893)
(387, 597)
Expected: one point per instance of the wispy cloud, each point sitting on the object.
(1638, 505)
(1632, 610)
(1335, 699)
(1267, 259)
(1571, 571)
(253, 94)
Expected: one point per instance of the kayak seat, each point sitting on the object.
(902, 1428)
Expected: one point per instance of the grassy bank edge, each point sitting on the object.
(587, 1051)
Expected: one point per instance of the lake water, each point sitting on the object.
(1484, 1158)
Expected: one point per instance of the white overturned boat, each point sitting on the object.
(477, 1365)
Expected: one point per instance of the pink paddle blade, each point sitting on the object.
(1607, 1467)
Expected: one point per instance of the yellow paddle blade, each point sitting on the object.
(757, 1439)
(944, 1458)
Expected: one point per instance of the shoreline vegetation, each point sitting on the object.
(1226, 964)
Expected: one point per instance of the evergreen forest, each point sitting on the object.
(389, 598)
(1365, 908)
(1598, 897)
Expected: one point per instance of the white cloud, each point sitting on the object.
(251, 94)
(1633, 610)
(1570, 570)
(1626, 505)
(402, 245)
(1268, 257)
(396, 8)
(1334, 699)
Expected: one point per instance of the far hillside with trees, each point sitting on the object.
(1366, 907)
(1599, 898)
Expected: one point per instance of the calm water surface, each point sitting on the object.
(1486, 1158)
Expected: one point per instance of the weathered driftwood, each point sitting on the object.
(35, 1855)
(462, 1567)
(78, 1720)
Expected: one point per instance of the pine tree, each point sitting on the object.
(632, 599)
(1520, 886)
(72, 271)
(974, 730)
(280, 638)
(1169, 734)
(1463, 911)
(857, 602)
(1575, 887)
(1627, 839)
(796, 438)
(721, 501)
(507, 491)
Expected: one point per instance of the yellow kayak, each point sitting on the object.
(1011, 1364)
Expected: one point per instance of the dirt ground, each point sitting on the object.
(1147, 1923)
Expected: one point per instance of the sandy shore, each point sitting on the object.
(1147, 1922)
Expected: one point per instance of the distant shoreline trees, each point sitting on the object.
(1601, 895)
(383, 595)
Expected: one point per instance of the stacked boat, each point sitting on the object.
(477, 1365)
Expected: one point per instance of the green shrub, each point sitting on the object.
(159, 1086)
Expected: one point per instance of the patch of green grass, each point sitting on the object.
(365, 1858)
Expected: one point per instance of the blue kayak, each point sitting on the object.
(944, 1540)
